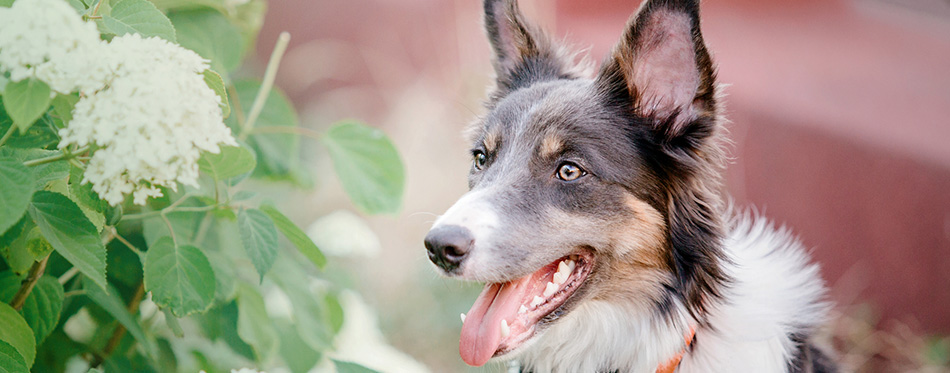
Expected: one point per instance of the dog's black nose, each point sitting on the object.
(448, 245)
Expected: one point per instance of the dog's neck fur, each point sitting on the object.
(775, 296)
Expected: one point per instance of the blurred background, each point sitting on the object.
(840, 116)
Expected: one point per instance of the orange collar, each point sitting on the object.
(672, 363)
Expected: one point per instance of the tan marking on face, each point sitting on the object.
(636, 269)
(550, 145)
(491, 141)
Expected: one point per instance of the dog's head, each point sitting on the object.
(587, 189)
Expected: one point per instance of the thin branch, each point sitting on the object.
(36, 271)
(72, 272)
(115, 233)
(151, 214)
(301, 131)
(171, 231)
(269, 75)
(119, 331)
(7, 135)
(53, 158)
(74, 293)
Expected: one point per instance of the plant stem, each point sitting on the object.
(74, 293)
(146, 215)
(269, 75)
(7, 135)
(36, 271)
(53, 158)
(115, 233)
(72, 272)
(113, 342)
(306, 132)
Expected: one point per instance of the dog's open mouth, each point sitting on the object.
(505, 315)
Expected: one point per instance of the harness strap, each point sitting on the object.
(670, 365)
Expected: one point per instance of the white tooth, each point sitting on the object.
(504, 329)
(523, 309)
(559, 278)
(562, 267)
(571, 265)
(550, 289)
(462, 315)
(536, 301)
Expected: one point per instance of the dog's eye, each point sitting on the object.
(569, 171)
(480, 160)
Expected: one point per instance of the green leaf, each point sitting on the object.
(17, 333)
(254, 327)
(296, 236)
(42, 173)
(179, 277)
(13, 245)
(224, 276)
(41, 135)
(231, 161)
(138, 17)
(25, 101)
(348, 367)
(312, 316)
(298, 356)
(110, 302)
(10, 359)
(259, 236)
(63, 106)
(6, 3)
(212, 36)
(72, 235)
(41, 308)
(214, 81)
(17, 182)
(368, 166)
(277, 153)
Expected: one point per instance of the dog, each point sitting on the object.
(595, 217)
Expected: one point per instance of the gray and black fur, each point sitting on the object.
(628, 144)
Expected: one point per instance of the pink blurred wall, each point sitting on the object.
(840, 113)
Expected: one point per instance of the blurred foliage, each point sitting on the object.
(163, 287)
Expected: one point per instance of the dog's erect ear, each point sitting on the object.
(661, 68)
(523, 54)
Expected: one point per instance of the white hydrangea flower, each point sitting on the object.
(48, 40)
(150, 123)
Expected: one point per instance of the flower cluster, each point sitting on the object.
(150, 122)
(47, 40)
(144, 106)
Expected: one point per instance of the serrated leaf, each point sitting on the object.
(368, 166)
(111, 303)
(216, 83)
(254, 326)
(42, 173)
(10, 359)
(72, 235)
(13, 245)
(40, 135)
(259, 236)
(231, 161)
(296, 236)
(348, 367)
(224, 276)
(16, 191)
(25, 101)
(277, 153)
(17, 333)
(212, 36)
(138, 17)
(41, 308)
(179, 277)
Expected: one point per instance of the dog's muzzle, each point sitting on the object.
(448, 245)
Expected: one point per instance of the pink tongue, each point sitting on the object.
(481, 332)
